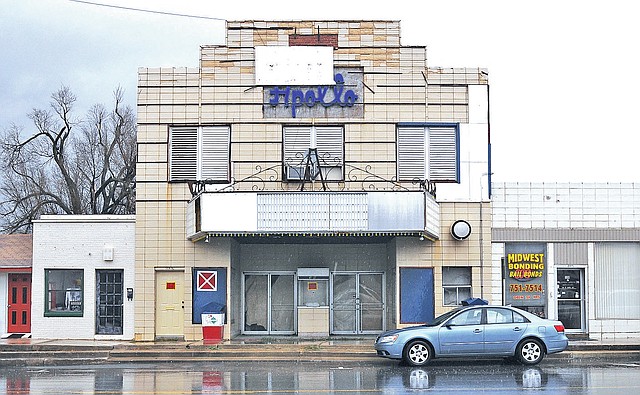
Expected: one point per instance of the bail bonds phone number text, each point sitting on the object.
(525, 288)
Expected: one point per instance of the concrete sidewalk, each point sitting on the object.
(45, 352)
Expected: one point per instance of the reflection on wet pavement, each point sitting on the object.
(221, 378)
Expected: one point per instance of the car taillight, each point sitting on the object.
(559, 328)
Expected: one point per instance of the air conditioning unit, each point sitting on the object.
(294, 173)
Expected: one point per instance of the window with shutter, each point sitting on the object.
(411, 153)
(330, 145)
(296, 143)
(183, 146)
(200, 153)
(329, 141)
(215, 153)
(443, 153)
(428, 152)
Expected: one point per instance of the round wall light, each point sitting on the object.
(460, 229)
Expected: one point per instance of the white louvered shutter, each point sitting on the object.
(411, 153)
(443, 154)
(296, 142)
(184, 154)
(330, 143)
(214, 153)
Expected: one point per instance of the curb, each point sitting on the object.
(50, 354)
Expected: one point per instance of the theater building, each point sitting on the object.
(310, 178)
(570, 251)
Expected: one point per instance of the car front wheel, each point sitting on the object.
(530, 352)
(417, 353)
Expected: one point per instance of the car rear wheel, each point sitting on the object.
(530, 352)
(417, 353)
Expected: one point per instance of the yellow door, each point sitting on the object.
(169, 304)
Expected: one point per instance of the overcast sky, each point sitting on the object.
(564, 74)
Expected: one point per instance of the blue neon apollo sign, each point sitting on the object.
(327, 96)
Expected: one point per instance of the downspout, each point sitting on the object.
(488, 174)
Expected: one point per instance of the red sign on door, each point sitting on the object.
(207, 281)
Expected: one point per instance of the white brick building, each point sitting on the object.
(589, 235)
(82, 268)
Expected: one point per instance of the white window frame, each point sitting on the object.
(616, 273)
(200, 153)
(448, 285)
(428, 152)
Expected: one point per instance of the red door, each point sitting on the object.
(19, 303)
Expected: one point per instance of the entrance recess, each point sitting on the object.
(19, 307)
(269, 303)
(357, 303)
(571, 299)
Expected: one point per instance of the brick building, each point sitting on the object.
(82, 268)
(585, 240)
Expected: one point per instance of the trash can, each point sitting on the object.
(212, 328)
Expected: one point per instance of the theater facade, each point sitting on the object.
(310, 178)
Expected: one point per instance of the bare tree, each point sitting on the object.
(66, 165)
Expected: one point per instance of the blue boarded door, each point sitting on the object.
(416, 295)
(209, 292)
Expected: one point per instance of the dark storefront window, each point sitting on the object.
(64, 292)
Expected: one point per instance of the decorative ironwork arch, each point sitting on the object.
(316, 166)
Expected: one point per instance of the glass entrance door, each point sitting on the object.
(357, 303)
(109, 302)
(269, 303)
(571, 299)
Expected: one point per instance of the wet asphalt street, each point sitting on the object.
(387, 377)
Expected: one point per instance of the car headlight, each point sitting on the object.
(388, 339)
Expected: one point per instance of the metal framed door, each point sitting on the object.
(19, 306)
(109, 302)
(571, 299)
(269, 303)
(357, 303)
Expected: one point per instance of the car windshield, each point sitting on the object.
(442, 318)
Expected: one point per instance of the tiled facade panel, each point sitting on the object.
(154, 172)
(170, 96)
(152, 133)
(566, 205)
(474, 252)
(153, 153)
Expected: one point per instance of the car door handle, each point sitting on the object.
(477, 330)
(517, 329)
